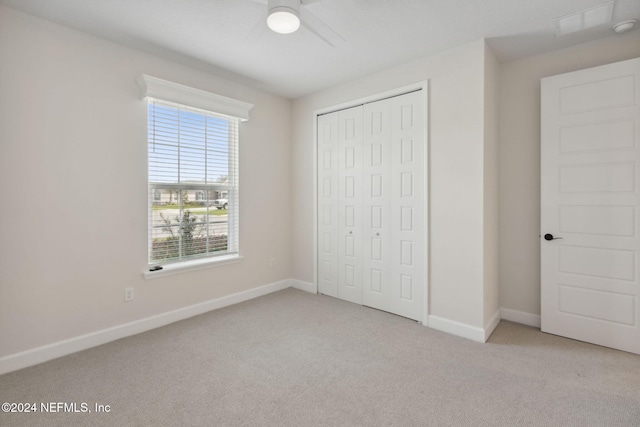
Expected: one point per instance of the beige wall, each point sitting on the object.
(456, 174)
(519, 162)
(73, 191)
(491, 200)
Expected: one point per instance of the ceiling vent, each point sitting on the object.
(583, 20)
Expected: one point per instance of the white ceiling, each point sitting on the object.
(230, 37)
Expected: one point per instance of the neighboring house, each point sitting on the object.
(169, 197)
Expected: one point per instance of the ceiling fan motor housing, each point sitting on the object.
(284, 15)
(292, 5)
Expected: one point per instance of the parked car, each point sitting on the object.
(220, 203)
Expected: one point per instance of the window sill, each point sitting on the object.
(194, 265)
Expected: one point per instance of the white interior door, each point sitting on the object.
(377, 150)
(350, 204)
(327, 204)
(408, 216)
(393, 205)
(590, 205)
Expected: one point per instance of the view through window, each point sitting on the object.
(193, 183)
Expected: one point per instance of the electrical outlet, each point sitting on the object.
(128, 294)
(272, 263)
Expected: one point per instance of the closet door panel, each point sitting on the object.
(377, 205)
(327, 204)
(350, 204)
(408, 258)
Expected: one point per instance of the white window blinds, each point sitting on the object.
(193, 183)
(193, 196)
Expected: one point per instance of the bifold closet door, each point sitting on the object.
(408, 216)
(327, 167)
(393, 205)
(340, 204)
(350, 204)
(371, 215)
(377, 205)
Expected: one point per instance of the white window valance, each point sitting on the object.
(153, 87)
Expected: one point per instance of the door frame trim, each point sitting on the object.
(414, 87)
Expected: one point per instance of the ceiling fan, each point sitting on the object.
(287, 16)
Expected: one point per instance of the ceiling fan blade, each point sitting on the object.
(257, 32)
(302, 2)
(320, 29)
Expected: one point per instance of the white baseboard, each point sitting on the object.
(48, 352)
(520, 317)
(456, 328)
(463, 330)
(492, 325)
(304, 286)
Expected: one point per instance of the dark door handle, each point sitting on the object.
(550, 237)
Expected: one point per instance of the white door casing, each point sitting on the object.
(590, 188)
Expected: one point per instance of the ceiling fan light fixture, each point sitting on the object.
(284, 16)
(283, 20)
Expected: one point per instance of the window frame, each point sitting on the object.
(152, 88)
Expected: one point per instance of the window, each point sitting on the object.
(192, 157)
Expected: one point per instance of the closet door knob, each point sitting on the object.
(350, 232)
(377, 234)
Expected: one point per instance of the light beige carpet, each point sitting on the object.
(297, 359)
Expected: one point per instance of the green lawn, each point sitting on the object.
(212, 211)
